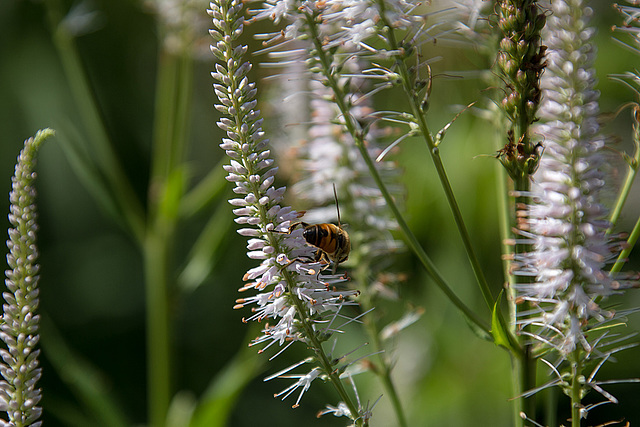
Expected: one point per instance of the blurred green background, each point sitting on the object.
(92, 294)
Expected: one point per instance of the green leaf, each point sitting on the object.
(88, 172)
(203, 254)
(205, 192)
(181, 409)
(125, 211)
(478, 330)
(502, 336)
(171, 196)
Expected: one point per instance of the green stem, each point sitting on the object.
(173, 94)
(156, 260)
(353, 129)
(437, 161)
(576, 389)
(434, 151)
(173, 104)
(517, 360)
(634, 163)
(624, 254)
(526, 362)
(316, 345)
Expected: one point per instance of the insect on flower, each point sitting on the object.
(332, 241)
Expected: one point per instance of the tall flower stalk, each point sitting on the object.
(568, 224)
(292, 290)
(519, 63)
(20, 321)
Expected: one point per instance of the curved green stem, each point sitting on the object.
(634, 163)
(434, 151)
(353, 129)
(624, 254)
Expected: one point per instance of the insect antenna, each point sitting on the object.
(335, 194)
(334, 270)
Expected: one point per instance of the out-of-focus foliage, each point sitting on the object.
(91, 270)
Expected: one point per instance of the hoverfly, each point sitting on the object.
(332, 241)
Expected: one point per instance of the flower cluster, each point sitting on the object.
(20, 322)
(631, 15)
(292, 291)
(520, 63)
(353, 25)
(568, 222)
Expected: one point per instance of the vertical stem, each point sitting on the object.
(526, 362)
(576, 389)
(173, 95)
(156, 257)
(434, 151)
(507, 251)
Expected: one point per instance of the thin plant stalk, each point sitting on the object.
(520, 63)
(358, 137)
(434, 151)
(156, 255)
(525, 363)
(173, 96)
(633, 163)
(576, 389)
(624, 254)
(517, 360)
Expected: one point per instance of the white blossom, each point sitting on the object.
(20, 369)
(568, 220)
(291, 287)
